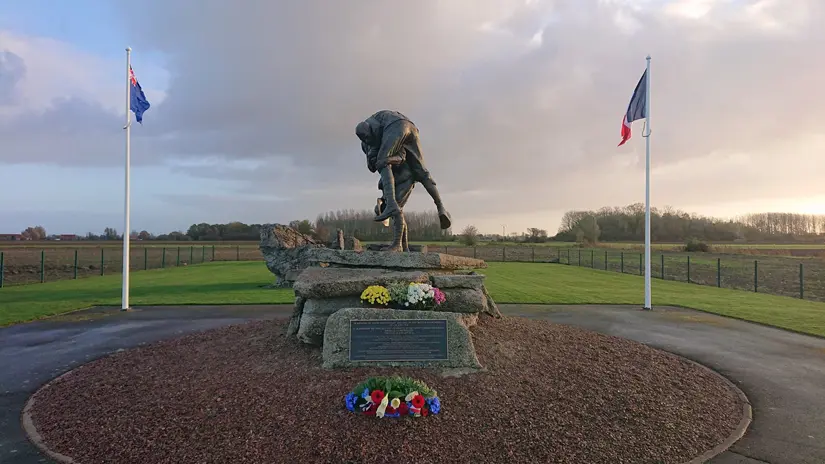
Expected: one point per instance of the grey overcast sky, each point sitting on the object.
(519, 104)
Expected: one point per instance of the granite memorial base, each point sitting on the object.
(358, 337)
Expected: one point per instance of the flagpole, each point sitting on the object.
(127, 202)
(647, 186)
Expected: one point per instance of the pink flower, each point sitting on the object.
(438, 296)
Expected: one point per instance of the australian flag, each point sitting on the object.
(138, 102)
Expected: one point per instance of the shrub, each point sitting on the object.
(696, 246)
(469, 236)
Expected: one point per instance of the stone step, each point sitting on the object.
(330, 282)
(394, 260)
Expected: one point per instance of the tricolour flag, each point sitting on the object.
(138, 102)
(636, 108)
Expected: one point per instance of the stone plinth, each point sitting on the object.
(394, 260)
(322, 291)
(325, 282)
(287, 253)
(460, 349)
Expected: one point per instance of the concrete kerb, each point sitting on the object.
(744, 421)
(30, 429)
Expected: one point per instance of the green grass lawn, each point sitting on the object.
(243, 282)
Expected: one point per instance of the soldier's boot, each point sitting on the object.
(388, 186)
(397, 233)
(443, 216)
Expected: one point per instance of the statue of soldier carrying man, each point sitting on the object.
(393, 149)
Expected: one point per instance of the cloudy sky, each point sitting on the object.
(519, 104)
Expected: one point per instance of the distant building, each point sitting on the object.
(11, 237)
(63, 237)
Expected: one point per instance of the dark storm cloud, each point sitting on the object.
(510, 96)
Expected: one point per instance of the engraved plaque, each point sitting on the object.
(398, 340)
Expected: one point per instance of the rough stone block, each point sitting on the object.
(464, 300)
(295, 319)
(352, 243)
(314, 317)
(394, 260)
(444, 281)
(461, 351)
(317, 283)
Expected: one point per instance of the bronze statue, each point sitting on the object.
(392, 146)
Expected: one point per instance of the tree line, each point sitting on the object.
(627, 224)
(360, 224)
(421, 226)
(608, 224)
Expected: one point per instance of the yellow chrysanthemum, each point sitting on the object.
(376, 294)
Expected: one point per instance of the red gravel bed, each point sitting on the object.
(248, 394)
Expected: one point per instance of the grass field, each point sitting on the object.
(244, 282)
(801, 277)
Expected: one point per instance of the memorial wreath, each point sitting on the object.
(393, 397)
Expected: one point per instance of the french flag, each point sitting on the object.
(636, 108)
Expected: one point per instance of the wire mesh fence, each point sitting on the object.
(23, 265)
(802, 277)
(794, 277)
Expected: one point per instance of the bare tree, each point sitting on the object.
(34, 233)
(469, 236)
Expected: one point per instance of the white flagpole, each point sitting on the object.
(127, 202)
(647, 185)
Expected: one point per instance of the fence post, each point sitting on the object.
(177, 262)
(801, 281)
(213, 252)
(102, 260)
(663, 265)
(203, 253)
(592, 260)
(504, 253)
(568, 256)
(533, 254)
(558, 254)
(163, 259)
(641, 271)
(2, 267)
(237, 252)
(605, 260)
(755, 275)
(688, 268)
(580, 256)
(75, 264)
(474, 252)
(719, 272)
(145, 259)
(42, 266)
(191, 254)
(622, 265)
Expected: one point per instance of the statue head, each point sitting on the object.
(363, 131)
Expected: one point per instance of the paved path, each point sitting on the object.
(782, 373)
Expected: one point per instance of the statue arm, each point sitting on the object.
(372, 156)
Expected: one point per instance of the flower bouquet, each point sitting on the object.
(393, 397)
(375, 295)
(414, 295)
